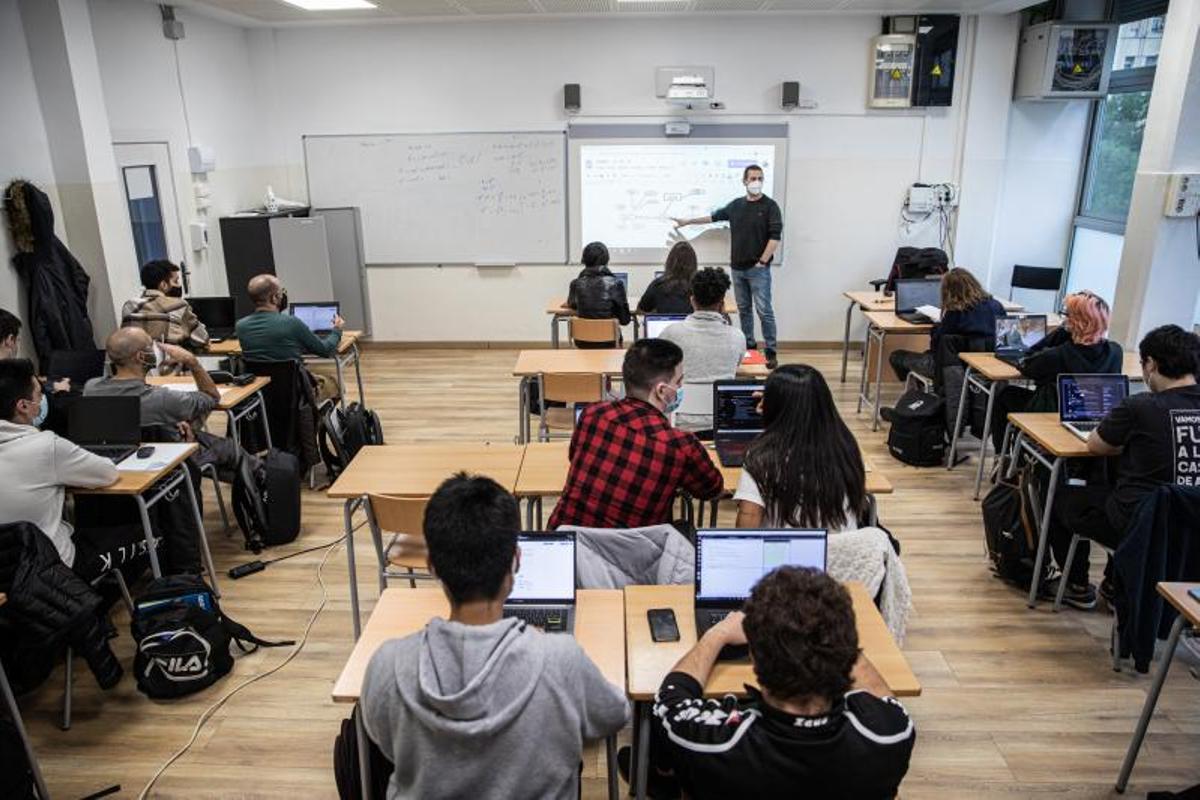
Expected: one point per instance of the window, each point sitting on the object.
(1156, 25)
(1116, 144)
(141, 192)
(1136, 42)
(1151, 61)
(1129, 61)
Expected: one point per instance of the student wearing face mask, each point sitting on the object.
(10, 347)
(161, 310)
(755, 225)
(627, 462)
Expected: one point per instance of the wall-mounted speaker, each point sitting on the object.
(571, 97)
(791, 94)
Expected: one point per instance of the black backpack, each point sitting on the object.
(346, 431)
(183, 639)
(346, 772)
(266, 500)
(918, 433)
(1009, 528)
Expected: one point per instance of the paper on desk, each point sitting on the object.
(933, 312)
(190, 386)
(163, 455)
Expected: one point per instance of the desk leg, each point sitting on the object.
(862, 378)
(846, 339)
(348, 515)
(40, 783)
(1151, 701)
(872, 511)
(148, 532)
(958, 419)
(993, 389)
(882, 336)
(231, 423)
(208, 559)
(1010, 452)
(610, 752)
(341, 381)
(262, 415)
(364, 753)
(528, 513)
(1044, 533)
(642, 762)
(523, 410)
(358, 373)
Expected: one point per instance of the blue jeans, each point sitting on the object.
(754, 284)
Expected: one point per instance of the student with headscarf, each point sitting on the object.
(1079, 346)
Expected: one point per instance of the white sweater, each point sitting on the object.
(712, 350)
(35, 469)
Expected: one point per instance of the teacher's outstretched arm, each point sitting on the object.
(684, 222)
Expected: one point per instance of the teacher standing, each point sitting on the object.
(755, 224)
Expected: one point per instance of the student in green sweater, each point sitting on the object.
(270, 335)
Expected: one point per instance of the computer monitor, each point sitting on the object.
(730, 562)
(916, 292)
(317, 316)
(1089, 398)
(547, 572)
(735, 407)
(657, 323)
(218, 314)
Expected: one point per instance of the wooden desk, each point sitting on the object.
(236, 401)
(599, 629)
(414, 470)
(649, 662)
(163, 481)
(543, 474)
(881, 325)
(347, 353)
(558, 310)
(1189, 616)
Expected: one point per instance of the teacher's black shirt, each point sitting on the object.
(751, 225)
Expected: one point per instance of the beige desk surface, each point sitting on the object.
(593, 362)
(1177, 595)
(132, 483)
(558, 306)
(418, 469)
(1049, 434)
(230, 399)
(649, 661)
(869, 300)
(889, 322)
(599, 629)
(544, 470)
(992, 368)
(231, 346)
(877, 483)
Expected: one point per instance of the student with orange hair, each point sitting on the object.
(1081, 345)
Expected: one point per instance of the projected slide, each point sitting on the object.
(630, 192)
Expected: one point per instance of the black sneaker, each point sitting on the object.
(660, 787)
(1108, 591)
(772, 361)
(1076, 596)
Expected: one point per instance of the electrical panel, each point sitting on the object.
(936, 57)
(1059, 61)
(1183, 196)
(892, 58)
(924, 198)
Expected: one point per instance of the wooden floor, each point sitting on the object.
(1017, 703)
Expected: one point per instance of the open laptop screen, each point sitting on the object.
(623, 277)
(217, 313)
(1019, 332)
(1089, 398)
(735, 407)
(101, 419)
(317, 316)
(547, 573)
(730, 562)
(911, 293)
(657, 323)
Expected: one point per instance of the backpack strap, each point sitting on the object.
(239, 633)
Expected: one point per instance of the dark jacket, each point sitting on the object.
(45, 598)
(662, 297)
(1162, 543)
(1058, 355)
(597, 294)
(977, 321)
(57, 284)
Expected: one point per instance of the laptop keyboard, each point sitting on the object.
(1086, 426)
(113, 452)
(551, 620)
(711, 618)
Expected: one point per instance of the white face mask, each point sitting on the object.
(754, 187)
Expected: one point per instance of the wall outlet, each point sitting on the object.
(1183, 196)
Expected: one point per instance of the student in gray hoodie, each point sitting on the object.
(478, 705)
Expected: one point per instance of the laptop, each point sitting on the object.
(729, 562)
(914, 292)
(107, 426)
(1016, 333)
(543, 593)
(623, 277)
(736, 421)
(217, 313)
(317, 316)
(78, 365)
(657, 323)
(1085, 400)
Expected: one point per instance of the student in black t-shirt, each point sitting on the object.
(1156, 435)
(755, 225)
(824, 724)
(671, 292)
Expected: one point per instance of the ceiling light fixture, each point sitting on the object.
(331, 5)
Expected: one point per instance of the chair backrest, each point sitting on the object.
(399, 514)
(697, 398)
(1048, 279)
(594, 331)
(572, 387)
(282, 396)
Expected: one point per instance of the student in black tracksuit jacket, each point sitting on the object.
(1078, 347)
(671, 292)
(824, 725)
(967, 310)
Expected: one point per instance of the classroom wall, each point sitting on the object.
(848, 169)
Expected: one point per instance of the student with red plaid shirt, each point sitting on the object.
(627, 462)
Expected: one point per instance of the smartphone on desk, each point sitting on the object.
(1194, 594)
(662, 625)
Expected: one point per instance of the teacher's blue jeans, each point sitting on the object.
(752, 291)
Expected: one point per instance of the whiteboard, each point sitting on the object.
(447, 198)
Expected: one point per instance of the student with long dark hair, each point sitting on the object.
(805, 470)
(670, 293)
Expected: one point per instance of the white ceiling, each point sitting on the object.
(278, 13)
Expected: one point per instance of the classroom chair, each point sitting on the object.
(403, 517)
(594, 333)
(69, 668)
(1036, 279)
(566, 388)
(292, 415)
